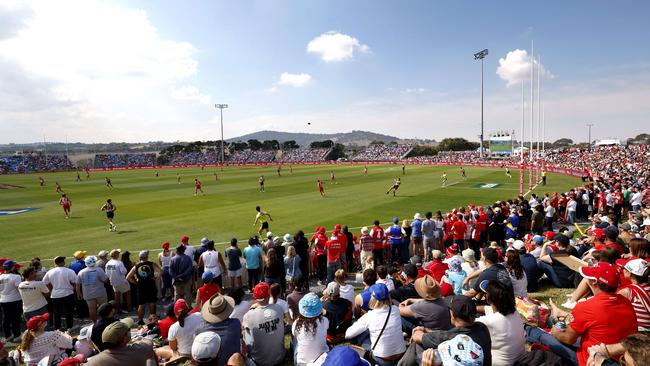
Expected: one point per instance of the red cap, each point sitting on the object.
(34, 322)
(337, 228)
(179, 306)
(165, 245)
(69, 362)
(185, 239)
(598, 233)
(321, 230)
(261, 291)
(549, 235)
(471, 205)
(602, 272)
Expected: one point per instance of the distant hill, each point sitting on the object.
(360, 138)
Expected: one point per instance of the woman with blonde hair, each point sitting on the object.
(292, 264)
(380, 329)
(37, 344)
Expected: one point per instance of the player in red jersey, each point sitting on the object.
(65, 202)
(321, 189)
(197, 187)
(58, 188)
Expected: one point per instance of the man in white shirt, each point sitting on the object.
(636, 200)
(33, 294)
(116, 273)
(62, 281)
(264, 329)
(12, 305)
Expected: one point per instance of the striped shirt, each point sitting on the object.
(641, 305)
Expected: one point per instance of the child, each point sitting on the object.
(382, 277)
(83, 345)
(455, 276)
(205, 292)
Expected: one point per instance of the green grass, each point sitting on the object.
(152, 210)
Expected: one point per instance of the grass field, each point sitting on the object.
(152, 210)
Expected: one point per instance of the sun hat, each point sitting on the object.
(602, 272)
(460, 351)
(417, 216)
(310, 305)
(333, 289)
(206, 346)
(180, 305)
(637, 267)
(165, 245)
(344, 355)
(395, 220)
(79, 254)
(469, 255)
(114, 251)
(185, 239)
(102, 254)
(90, 261)
(646, 222)
(462, 307)
(427, 287)
(518, 244)
(454, 265)
(115, 332)
(218, 308)
(207, 276)
(84, 333)
(34, 322)
(261, 291)
(143, 254)
(379, 291)
(205, 241)
(288, 238)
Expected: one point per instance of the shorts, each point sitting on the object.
(122, 288)
(147, 294)
(429, 243)
(110, 214)
(94, 303)
(235, 273)
(265, 225)
(66, 207)
(417, 240)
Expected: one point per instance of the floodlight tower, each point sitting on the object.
(221, 107)
(480, 56)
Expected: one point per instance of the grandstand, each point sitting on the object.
(107, 161)
(252, 156)
(33, 162)
(382, 152)
(305, 155)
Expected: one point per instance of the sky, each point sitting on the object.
(137, 71)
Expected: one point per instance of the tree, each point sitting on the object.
(238, 146)
(423, 150)
(457, 144)
(254, 144)
(270, 145)
(291, 144)
(326, 144)
(376, 142)
(563, 142)
(338, 151)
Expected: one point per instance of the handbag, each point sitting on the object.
(533, 312)
(368, 355)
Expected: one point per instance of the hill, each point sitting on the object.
(360, 138)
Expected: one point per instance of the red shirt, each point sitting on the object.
(605, 318)
(197, 184)
(320, 240)
(616, 246)
(422, 272)
(165, 324)
(334, 249)
(481, 223)
(378, 235)
(437, 269)
(459, 230)
(206, 291)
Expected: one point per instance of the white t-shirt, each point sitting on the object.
(184, 336)
(281, 303)
(240, 309)
(388, 282)
(32, 294)
(391, 341)
(571, 205)
(347, 292)
(507, 334)
(9, 287)
(189, 251)
(550, 211)
(62, 280)
(636, 199)
(310, 346)
(211, 262)
(116, 272)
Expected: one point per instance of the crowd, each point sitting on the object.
(459, 157)
(124, 160)
(196, 158)
(251, 156)
(382, 152)
(34, 162)
(304, 155)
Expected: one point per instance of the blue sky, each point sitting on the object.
(152, 70)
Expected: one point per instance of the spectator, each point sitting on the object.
(293, 299)
(407, 291)
(638, 292)
(10, 300)
(213, 262)
(429, 311)
(77, 263)
(292, 264)
(241, 306)
(338, 312)
(62, 281)
(33, 294)
(493, 272)
(633, 350)
(91, 286)
(516, 270)
(455, 276)
(205, 292)
(346, 290)
(164, 260)
(181, 268)
(309, 330)
(167, 321)
(216, 318)
(437, 267)
(273, 268)
(264, 329)
(83, 345)
(106, 314)
(559, 274)
(253, 256)
(37, 343)
(234, 254)
(181, 333)
(205, 349)
(120, 351)
(116, 272)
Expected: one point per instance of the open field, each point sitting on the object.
(152, 210)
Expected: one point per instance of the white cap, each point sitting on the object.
(206, 346)
(518, 244)
(637, 267)
(510, 240)
(84, 333)
(269, 235)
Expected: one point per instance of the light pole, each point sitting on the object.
(589, 136)
(221, 107)
(480, 56)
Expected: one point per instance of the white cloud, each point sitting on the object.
(191, 93)
(294, 80)
(415, 90)
(335, 46)
(515, 67)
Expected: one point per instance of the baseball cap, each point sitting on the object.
(538, 239)
(205, 241)
(333, 289)
(625, 226)
(510, 240)
(460, 351)
(90, 261)
(518, 244)
(379, 291)
(637, 267)
(84, 333)
(206, 346)
(310, 305)
(549, 235)
(463, 307)
(8, 265)
(180, 305)
(598, 233)
(59, 259)
(102, 253)
(115, 333)
(207, 276)
(395, 220)
(602, 272)
(34, 322)
(79, 254)
(344, 355)
(114, 251)
(185, 239)
(261, 291)
(143, 254)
